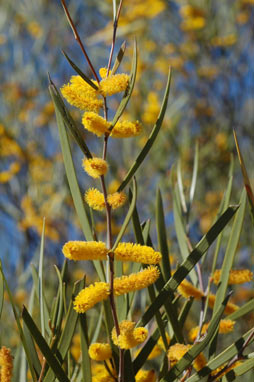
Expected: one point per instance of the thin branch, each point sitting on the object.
(114, 36)
(77, 38)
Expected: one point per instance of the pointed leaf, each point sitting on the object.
(188, 264)
(79, 71)
(119, 57)
(86, 364)
(40, 276)
(150, 140)
(67, 119)
(129, 90)
(44, 348)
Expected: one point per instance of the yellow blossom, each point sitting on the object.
(85, 250)
(113, 84)
(177, 351)
(145, 376)
(6, 364)
(100, 351)
(129, 335)
(186, 289)
(95, 199)
(117, 199)
(152, 108)
(225, 326)
(76, 347)
(101, 374)
(138, 253)
(95, 167)
(90, 296)
(160, 342)
(95, 123)
(126, 129)
(223, 41)
(136, 281)
(103, 72)
(193, 23)
(230, 308)
(236, 276)
(78, 93)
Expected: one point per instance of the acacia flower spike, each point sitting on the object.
(85, 250)
(90, 296)
(137, 253)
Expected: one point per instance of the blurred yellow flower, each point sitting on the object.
(126, 129)
(95, 167)
(117, 199)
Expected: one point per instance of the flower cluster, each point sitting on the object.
(236, 276)
(129, 336)
(6, 364)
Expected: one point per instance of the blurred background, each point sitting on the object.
(208, 44)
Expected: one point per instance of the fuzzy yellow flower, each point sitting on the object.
(236, 276)
(145, 376)
(117, 199)
(95, 167)
(177, 351)
(85, 250)
(6, 364)
(230, 308)
(136, 281)
(129, 335)
(225, 326)
(95, 123)
(138, 253)
(186, 289)
(100, 351)
(126, 129)
(90, 296)
(103, 72)
(95, 199)
(101, 374)
(78, 93)
(114, 84)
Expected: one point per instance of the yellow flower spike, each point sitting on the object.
(6, 364)
(100, 351)
(177, 351)
(114, 84)
(85, 250)
(90, 296)
(95, 199)
(95, 167)
(95, 123)
(81, 95)
(186, 289)
(136, 281)
(117, 199)
(230, 308)
(137, 253)
(126, 129)
(145, 376)
(129, 335)
(103, 72)
(236, 276)
(225, 326)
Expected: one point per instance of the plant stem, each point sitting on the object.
(114, 36)
(77, 38)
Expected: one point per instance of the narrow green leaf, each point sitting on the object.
(44, 348)
(79, 71)
(194, 175)
(150, 140)
(21, 332)
(129, 90)
(119, 57)
(128, 216)
(230, 251)
(181, 235)
(1, 293)
(85, 365)
(220, 359)
(188, 264)
(180, 188)
(67, 119)
(196, 349)
(245, 309)
(162, 236)
(40, 275)
(245, 177)
(68, 331)
(61, 299)
(240, 370)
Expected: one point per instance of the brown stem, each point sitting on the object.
(77, 38)
(114, 36)
(42, 369)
